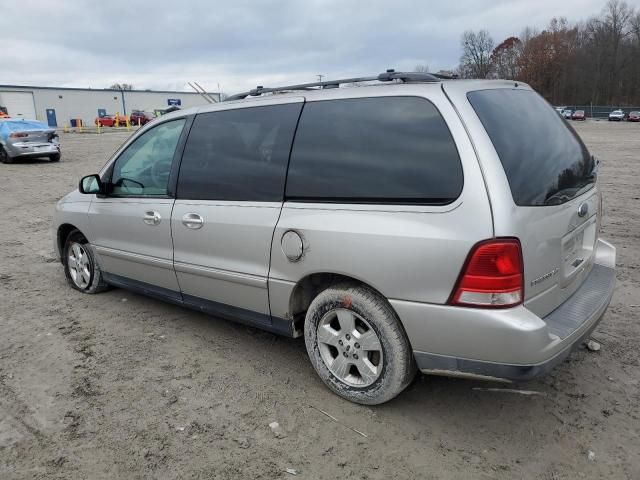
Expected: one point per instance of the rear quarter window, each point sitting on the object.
(374, 150)
(544, 159)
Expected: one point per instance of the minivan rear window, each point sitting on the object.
(374, 150)
(544, 159)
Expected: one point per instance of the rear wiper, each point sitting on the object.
(594, 169)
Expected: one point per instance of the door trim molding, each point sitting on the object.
(134, 257)
(224, 275)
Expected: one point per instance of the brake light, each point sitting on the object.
(18, 135)
(492, 276)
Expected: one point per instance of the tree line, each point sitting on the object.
(595, 61)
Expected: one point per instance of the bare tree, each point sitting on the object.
(594, 61)
(527, 34)
(608, 39)
(421, 68)
(475, 61)
(121, 86)
(617, 22)
(635, 27)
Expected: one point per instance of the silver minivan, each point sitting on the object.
(399, 223)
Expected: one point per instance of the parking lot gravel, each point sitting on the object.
(117, 385)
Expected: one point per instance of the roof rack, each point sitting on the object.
(387, 76)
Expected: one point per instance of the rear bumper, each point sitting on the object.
(511, 344)
(32, 149)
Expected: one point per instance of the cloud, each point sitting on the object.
(240, 44)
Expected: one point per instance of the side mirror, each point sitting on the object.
(91, 184)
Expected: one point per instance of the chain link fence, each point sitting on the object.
(599, 111)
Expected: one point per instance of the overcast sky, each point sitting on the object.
(239, 44)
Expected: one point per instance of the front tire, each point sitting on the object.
(55, 157)
(80, 267)
(357, 345)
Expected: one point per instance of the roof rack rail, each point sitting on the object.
(387, 76)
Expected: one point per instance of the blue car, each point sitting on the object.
(27, 139)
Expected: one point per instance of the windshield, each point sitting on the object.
(545, 161)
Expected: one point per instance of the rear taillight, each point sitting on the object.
(18, 135)
(492, 276)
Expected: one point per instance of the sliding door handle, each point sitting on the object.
(192, 221)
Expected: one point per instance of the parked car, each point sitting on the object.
(139, 117)
(27, 139)
(110, 120)
(390, 225)
(105, 121)
(567, 114)
(163, 111)
(634, 117)
(616, 116)
(578, 115)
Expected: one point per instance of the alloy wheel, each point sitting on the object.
(350, 347)
(79, 265)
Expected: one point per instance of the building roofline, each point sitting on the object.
(104, 89)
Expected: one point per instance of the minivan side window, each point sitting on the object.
(238, 155)
(144, 167)
(374, 150)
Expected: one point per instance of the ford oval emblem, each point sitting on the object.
(583, 209)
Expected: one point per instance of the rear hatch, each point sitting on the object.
(542, 183)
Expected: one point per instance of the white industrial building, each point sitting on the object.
(58, 106)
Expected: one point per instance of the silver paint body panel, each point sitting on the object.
(514, 336)
(129, 247)
(227, 260)
(413, 252)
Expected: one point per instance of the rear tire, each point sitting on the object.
(55, 157)
(357, 345)
(80, 266)
(4, 156)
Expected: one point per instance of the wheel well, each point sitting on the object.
(63, 232)
(308, 288)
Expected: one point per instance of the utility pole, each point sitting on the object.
(320, 77)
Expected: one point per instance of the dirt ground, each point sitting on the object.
(117, 385)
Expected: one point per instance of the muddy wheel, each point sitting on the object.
(80, 267)
(357, 345)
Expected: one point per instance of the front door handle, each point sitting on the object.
(152, 218)
(192, 221)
